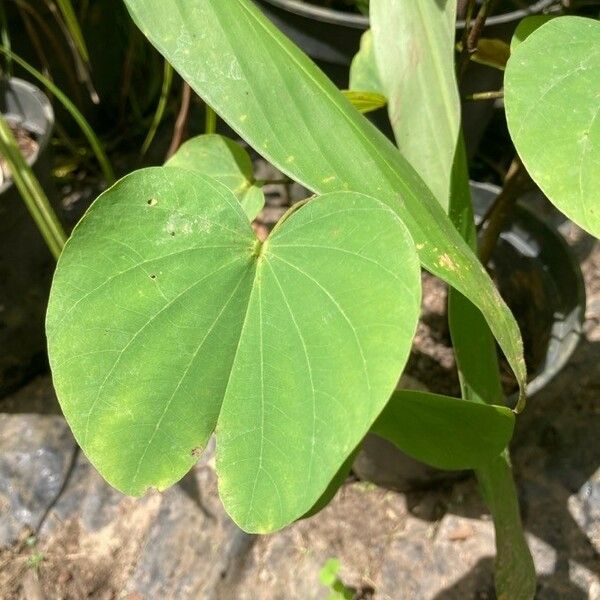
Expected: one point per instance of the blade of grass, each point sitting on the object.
(72, 24)
(28, 13)
(85, 127)
(31, 191)
(161, 107)
(5, 37)
(82, 65)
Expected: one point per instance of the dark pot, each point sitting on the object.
(542, 283)
(332, 38)
(26, 264)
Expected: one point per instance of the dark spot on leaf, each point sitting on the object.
(153, 276)
(152, 202)
(197, 452)
(172, 233)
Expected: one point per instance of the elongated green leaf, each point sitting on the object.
(72, 25)
(226, 161)
(295, 117)
(414, 51)
(445, 432)
(479, 374)
(473, 343)
(365, 102)
(363, 70)
(515, 572)
(168, 318)
(553, 112)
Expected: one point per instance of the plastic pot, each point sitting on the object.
(26, 264)
(541, 281)
(332, 38)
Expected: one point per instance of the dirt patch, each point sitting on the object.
(75, 563)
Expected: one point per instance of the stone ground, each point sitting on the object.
(64, 533)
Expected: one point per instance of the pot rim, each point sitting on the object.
(336, 17)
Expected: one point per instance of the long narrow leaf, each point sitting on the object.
(70, 19)
(477, 363)
(414, 52)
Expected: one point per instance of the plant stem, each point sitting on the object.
(485, 95)
(465, 57)
(210, 120)
(161, 107)
(515, 183)
(478, 25)
(182, 120)
(472, 33)
(31, 191)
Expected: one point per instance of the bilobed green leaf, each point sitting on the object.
(168, 318)
(365, 102)
(226, 161)
(447, 433)
(363, 70)
(551, 91)
(414, 52)
(294, 116)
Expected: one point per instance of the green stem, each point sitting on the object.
(485, 96)
(31, 192)
(210, 120)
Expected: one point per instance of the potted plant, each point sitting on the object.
(169, 318)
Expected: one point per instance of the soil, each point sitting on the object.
(27, 144)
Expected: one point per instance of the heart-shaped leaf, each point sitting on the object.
(551, 92)
(168, 318)
(226, 161)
